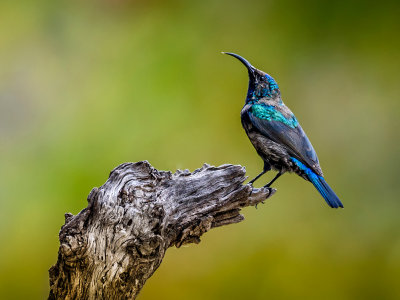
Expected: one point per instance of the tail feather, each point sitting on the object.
(319, 182)
(325, 190)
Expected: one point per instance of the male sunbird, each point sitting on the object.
(277, 135)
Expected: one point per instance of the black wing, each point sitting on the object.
(293, 139)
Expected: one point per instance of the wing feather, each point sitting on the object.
(293, 139)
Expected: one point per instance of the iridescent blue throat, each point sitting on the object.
(269, 112)
(267, 91)
(267, 88)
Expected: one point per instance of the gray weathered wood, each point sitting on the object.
(113, 246)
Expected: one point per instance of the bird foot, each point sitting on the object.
(270, 189)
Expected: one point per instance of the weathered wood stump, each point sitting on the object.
(113, 246)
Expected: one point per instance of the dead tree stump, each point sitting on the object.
(113, 246)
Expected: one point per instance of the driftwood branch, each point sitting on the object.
(113, 246)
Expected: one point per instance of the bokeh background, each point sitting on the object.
(87, 85)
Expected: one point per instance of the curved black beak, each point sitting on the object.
(244, 61)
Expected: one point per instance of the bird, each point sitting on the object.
(277, 135)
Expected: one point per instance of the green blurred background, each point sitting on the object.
(87, 85)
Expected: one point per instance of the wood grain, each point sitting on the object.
(113, 246)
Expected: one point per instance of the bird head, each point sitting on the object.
(261, 85)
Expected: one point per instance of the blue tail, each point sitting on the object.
(325, 190)
(321, 185)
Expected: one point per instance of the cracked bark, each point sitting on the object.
(113, 246)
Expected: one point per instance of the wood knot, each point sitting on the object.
(146, 248)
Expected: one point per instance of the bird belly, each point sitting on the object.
(271, 152)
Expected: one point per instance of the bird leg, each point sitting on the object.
(272, 181)
(258, 176)
(267, 167)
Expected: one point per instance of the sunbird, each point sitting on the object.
(277, 135)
